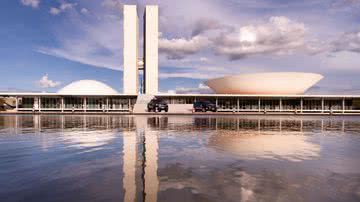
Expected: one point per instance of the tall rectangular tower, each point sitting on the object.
(151, 40)
(131, 50)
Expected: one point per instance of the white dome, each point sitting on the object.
(265, 83)
(87, 87)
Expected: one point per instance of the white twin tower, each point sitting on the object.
(149, 62)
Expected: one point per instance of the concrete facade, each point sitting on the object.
(151, 40)
(182, 104)
(131, 50)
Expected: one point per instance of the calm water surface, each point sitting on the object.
(179, 158)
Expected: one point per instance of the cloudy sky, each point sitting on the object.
(46, 44)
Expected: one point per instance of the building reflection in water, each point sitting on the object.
(141, 152)
(283, 138)
(129, 165)
(36, 123)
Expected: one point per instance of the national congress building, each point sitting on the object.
(273, 92)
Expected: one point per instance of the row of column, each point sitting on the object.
(281, 105)
(37, 104)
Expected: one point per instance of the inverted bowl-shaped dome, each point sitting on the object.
(265, 83)
(87, 87)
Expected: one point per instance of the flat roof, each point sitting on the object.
(253, 95)
(58, 94)
(12, 94)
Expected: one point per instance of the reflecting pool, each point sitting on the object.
(179, 158)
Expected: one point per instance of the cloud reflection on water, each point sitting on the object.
(281, 147)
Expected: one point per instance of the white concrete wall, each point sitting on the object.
(131, 50)
(151, 36)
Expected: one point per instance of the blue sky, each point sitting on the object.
(46, 44)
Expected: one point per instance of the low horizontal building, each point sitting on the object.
(301, 104)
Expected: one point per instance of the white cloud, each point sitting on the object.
(84, 11)
(177, 49)
(347, 42)
(201, 89)
(190, 75)
(205, 24)
(62, 8)
(204, 59)
(112, 4)
(81, 56)
(96, 43)
(344, 4)
(45, 82)
(194, 73)
(64, 5)
(279, 35)
(31, 3)
(55, 11)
